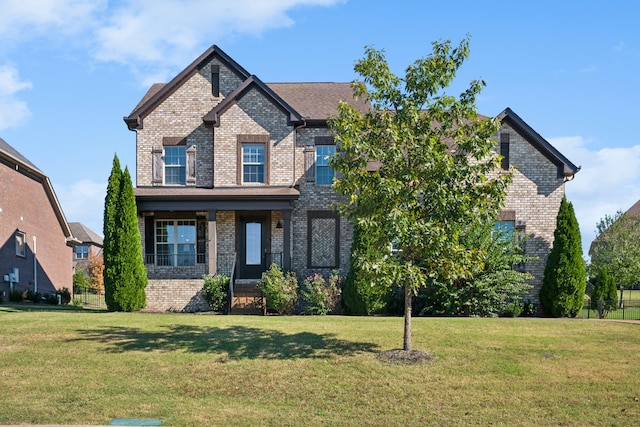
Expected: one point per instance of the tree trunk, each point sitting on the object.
(408, 294)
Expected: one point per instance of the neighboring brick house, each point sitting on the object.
(230, 168)
(36, 239)
(89, 244)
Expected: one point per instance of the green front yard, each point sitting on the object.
(66, 366)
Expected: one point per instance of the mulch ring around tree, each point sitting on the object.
(408, 357)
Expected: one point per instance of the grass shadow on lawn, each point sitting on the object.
(237, 342)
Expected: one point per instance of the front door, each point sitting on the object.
(253, 248)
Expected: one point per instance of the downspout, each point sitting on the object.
(295, 145)
(35, 267)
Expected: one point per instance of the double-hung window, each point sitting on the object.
(324, 173)
(253, 163)
(176, 243)
(82, 252)
(175, 162)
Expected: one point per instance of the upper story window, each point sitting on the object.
(82, 252)
(175, 243)
(253, 163)
(175, 165)
(21, 244)
(324, 173)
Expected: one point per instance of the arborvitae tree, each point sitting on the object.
(605, 295)
(358, 296)
(564, 283)
(109, 228)
(130, 272)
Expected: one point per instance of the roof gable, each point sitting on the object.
(565, 167)
(12, 157)
(159, 92)
(213, 116)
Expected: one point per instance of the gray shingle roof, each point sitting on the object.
(8, 150)
(85, 234)
(317, 101)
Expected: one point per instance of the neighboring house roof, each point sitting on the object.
(565, 167)
(634, 210)
(84, 234)
(13, 158)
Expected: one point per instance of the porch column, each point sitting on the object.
(286, 236)
(212, 244)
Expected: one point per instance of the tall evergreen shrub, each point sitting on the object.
(130, 272)
(564, 283)
(109, 228)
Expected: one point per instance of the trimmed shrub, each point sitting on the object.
(215, 291)
(65, 295)
(280, 289)
(604, 297)
(16, 295)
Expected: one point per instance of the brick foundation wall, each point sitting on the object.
(175, 295)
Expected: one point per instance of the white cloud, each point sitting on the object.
(13, 111)
(25, 19)
(609, 181)
(167, 34)
(83, 201)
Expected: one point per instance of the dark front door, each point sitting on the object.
(253, 237)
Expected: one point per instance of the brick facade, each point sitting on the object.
(301, 229)
(27, 206)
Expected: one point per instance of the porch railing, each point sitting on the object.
(175, 260)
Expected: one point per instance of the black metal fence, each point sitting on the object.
(627, 310)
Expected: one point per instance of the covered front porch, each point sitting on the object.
(236, 232)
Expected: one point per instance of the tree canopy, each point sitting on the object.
(617, 248)
(417, 169)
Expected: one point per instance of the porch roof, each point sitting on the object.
(219, 198)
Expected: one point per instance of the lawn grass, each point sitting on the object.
(76, 366)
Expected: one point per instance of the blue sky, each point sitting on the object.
(71, 69)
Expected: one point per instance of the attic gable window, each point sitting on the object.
(504, 151)
(215, 80)
(21, 244)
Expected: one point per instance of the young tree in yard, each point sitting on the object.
(110, 231)
(604, 297)
(435, 174)
(130, 273)
(565, 281)
(617, 248)
(95, 269)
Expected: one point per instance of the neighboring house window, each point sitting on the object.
(21, 244)
(504, 150)
(82, 252)
(175, 243)
(323, 239)
(175, 165)
(324, 173)
(253, 163)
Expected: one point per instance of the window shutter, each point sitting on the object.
(310, 163)
(149, 240)
(157, 165)
(191, 165)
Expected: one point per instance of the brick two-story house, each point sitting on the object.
(35, 239)
(232, 175)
